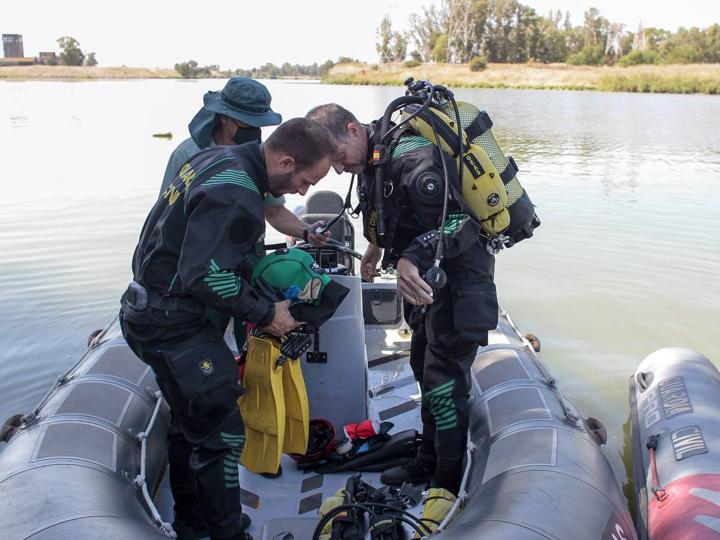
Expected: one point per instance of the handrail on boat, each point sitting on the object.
(462, 492)
(140, 480)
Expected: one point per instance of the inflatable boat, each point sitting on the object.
(90, 460)
(674, 404)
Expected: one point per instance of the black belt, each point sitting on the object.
(172, 303)
(139, 298)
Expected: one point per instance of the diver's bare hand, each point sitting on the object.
(318, 240)
(369, 262)
(411, 286)
(283, 322)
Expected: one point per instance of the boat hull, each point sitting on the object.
(674, 402)
(537, 470)
(534, 468)
(71, 471)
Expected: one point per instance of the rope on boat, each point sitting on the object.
(140, 480)
(569, 417)
(33, 416)
(657, 489)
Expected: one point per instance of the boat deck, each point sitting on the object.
(286, 507)
(290, 502)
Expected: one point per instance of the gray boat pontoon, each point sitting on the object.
(90, 461)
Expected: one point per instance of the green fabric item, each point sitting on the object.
(222, 282)
(292, 272)
(453, 222)
(220, 320)
(442, 405)
(229, 176)
(231, 459)
(408, 144)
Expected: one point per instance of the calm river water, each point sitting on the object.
(627, 186)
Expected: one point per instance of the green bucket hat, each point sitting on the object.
(242, 99)
(293, 274)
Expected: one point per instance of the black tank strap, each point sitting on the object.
(479, 126)
(394, 216)
(510, 171)
(389, 239)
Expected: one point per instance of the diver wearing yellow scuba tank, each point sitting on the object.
(447, 333)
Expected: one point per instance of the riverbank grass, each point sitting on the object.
(84, 73)
(662, 78)
(671, 78)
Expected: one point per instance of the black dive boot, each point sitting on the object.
(186, 531)
(416, 471)
(189, 524)
(240, 535)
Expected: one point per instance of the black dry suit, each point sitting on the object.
(447, 334)
(196, 250)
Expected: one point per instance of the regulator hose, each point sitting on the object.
(380, 157)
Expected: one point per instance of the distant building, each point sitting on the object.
(13, 46)
(17, 61)
(48, 58)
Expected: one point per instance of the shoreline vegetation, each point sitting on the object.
(657, 78)
(54, 73)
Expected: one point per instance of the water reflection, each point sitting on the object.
(626, 260)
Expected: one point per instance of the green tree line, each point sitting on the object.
(191, 70)
(507, 31)
(72, 55)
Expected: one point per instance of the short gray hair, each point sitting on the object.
(304, 139)
(334, 117)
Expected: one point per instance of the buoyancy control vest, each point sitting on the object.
(490, 187)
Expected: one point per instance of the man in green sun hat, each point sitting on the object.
(234, 116)
(231, 116)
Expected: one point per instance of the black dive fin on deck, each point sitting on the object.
(396, 450)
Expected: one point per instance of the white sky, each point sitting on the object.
(244, 33)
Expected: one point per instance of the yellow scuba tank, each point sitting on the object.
(482, 188)
(490, 185)
(478, 127)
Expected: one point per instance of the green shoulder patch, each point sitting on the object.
(408, 144)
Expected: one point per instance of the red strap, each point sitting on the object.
(660, 493)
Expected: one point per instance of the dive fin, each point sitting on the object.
(396, 450)
(262, 407)
(297, 409)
